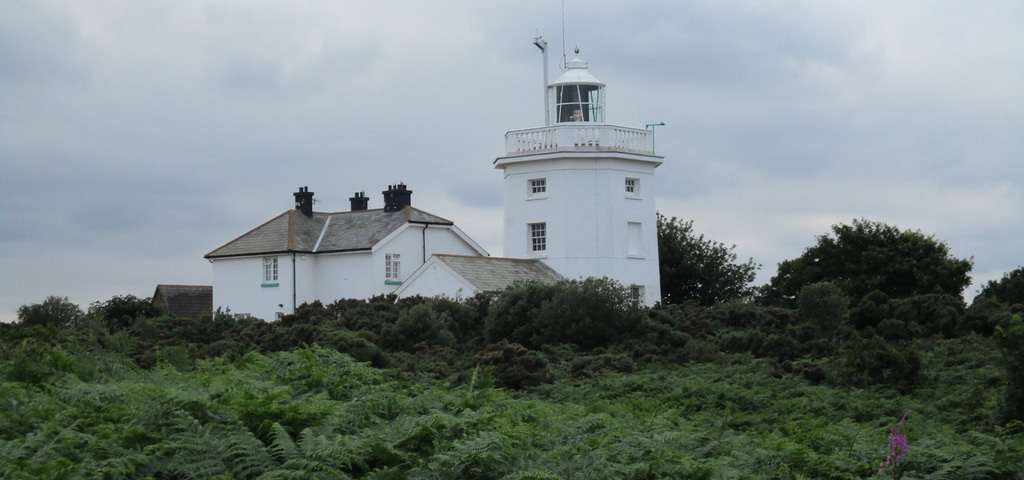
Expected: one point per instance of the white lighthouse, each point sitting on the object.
(579, 193)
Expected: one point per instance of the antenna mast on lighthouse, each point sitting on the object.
(543, 46)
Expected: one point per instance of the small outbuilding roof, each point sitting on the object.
(496, 273)
(187, 301)
(455, 275)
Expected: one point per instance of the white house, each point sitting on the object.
(300, 255)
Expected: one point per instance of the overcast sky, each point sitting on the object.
(135, 137)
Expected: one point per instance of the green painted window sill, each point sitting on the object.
(264, 285)
(392, 282)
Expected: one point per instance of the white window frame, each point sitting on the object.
(537, 237)
(636, 294)
(537, 188)
(632, 187)
(270, 271)
(392, 267)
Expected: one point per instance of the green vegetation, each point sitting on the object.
(869, 256)
(480, 389)
(565, 381)
(697, 269)
(1009, 289)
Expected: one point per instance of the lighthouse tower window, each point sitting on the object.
(538, 186)
(632, 187)
(538, 237)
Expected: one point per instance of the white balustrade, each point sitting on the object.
(582, 137)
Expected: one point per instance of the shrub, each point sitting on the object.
(358, 347)
(1011, 343)
(823, 304)
(419, 324)
(512, 365)
(872, 309)
(590, 365)
(121, 311)
(935, 314)
(588, 313)
(983, 316)
(873, 361)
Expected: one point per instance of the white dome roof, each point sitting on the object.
(577, 74)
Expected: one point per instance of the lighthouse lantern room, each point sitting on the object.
(577, 96)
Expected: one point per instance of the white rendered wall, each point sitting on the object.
(437, 280)
(237, 285)
(344, 275)
(587, 211)
(414, 243)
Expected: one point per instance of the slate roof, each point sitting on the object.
(323, 232)
(496, 273)
(188, 301)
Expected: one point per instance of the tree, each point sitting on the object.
(1008, 290)
(122, 310)
(868, 256)
(694, 268)
(54, 311)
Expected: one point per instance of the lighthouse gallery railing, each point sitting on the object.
(578, 136)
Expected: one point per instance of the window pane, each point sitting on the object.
(538, 237)
(538, 186)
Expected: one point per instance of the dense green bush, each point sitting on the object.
(121, 311)
(419, 324)
(870, 311)
(864, 362)
(512, 365)
(358, 346)
(589, 313)
(1011, 343)
(983, 316)
(823, 304)
(931, 314)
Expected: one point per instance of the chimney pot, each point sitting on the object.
(397, 197)
(304, 201)
(359, 201)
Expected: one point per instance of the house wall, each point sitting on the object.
(437, 280)
(587, 211)
(415, 245)
(237, 286)
(344, 275)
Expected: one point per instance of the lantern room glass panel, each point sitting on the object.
(579, 103)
